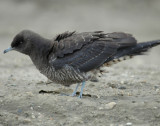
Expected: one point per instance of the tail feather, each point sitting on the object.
(138, 49)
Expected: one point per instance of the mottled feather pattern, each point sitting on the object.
(66, 75)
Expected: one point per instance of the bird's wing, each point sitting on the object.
(75, 42)
(87, 51)
(123, 39)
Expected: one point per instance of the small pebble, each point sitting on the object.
(76, 103)
(40, 115)
(19, 110)
(40, 82)
(122, 87)
(100, 108)
(2, 94)
(14, 85)
(112, 85)
(30, 94)
(156, 87)
(33, 116)
(143, 82)
(110, 105)
(26, 121)
(122, 82)
(129, 124)
(133, 101)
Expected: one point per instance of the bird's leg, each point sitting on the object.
(83, 84)
(75, 91)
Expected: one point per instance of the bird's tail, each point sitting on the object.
(129, 52)
(138, 49)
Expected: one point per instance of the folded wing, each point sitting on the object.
(89, 50)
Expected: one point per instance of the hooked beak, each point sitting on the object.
(7, 50)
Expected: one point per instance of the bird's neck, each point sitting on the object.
(39, 55)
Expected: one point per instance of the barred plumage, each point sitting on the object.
(76, 57)
(65, 76)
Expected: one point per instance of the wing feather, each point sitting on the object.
(88, 50)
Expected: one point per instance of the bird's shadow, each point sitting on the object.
(63, 94)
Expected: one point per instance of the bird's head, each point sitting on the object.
(24, 42)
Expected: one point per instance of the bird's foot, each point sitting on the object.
(75, 91)
(80, 96)
(73, 94)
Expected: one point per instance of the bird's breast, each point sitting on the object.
(65, 76)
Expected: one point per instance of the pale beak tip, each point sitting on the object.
(7, 50)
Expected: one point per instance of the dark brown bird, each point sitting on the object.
(75, 57)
